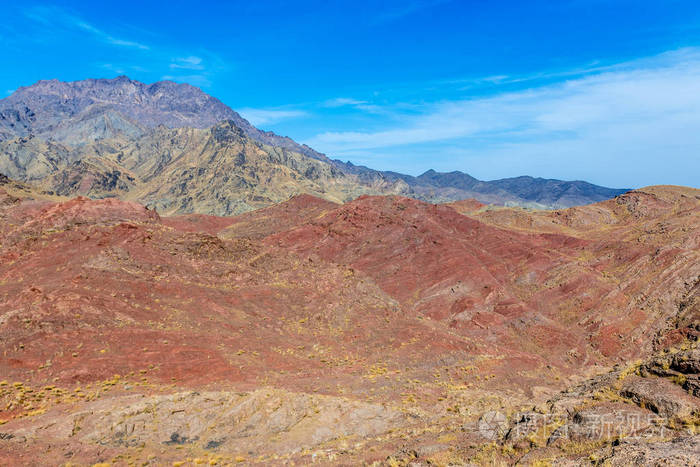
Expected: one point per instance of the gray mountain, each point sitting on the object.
(522, 190)
(58, 135)
(525, 191)
(83, 111)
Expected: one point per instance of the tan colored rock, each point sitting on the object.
(265, 421)
(684, 451)
(660, 396)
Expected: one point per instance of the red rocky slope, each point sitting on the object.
(570, 299)
(380, 321)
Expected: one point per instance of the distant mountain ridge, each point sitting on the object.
(524, 191)
(73, 138)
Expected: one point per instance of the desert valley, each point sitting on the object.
(178, 287)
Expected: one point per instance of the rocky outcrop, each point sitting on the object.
(660, 396)
(679, 451)
(260, 424)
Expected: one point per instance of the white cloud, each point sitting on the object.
(187, 63)
(268, 116)
(104, 36)
(356, 104)
(53, 16)
(342, 102)
(198, 70)
(638, 110)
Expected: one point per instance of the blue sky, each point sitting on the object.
(605, 91)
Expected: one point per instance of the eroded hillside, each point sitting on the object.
(382, 330)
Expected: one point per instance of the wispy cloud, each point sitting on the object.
(639, 110)
(342, 102)
(187, 63)
(197, 68)
(270, 116)
(349, 102)
(533, 78)
(108, 38)
(54, 16)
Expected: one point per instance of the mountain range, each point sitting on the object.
(177, 149)
(278, 307)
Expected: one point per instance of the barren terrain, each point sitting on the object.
(384, 330)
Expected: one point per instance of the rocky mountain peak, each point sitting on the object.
(53, 102)
(71, 111)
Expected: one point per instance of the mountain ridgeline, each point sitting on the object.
(174, 147)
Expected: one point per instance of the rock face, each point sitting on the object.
(78, 138)
(683, 367)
